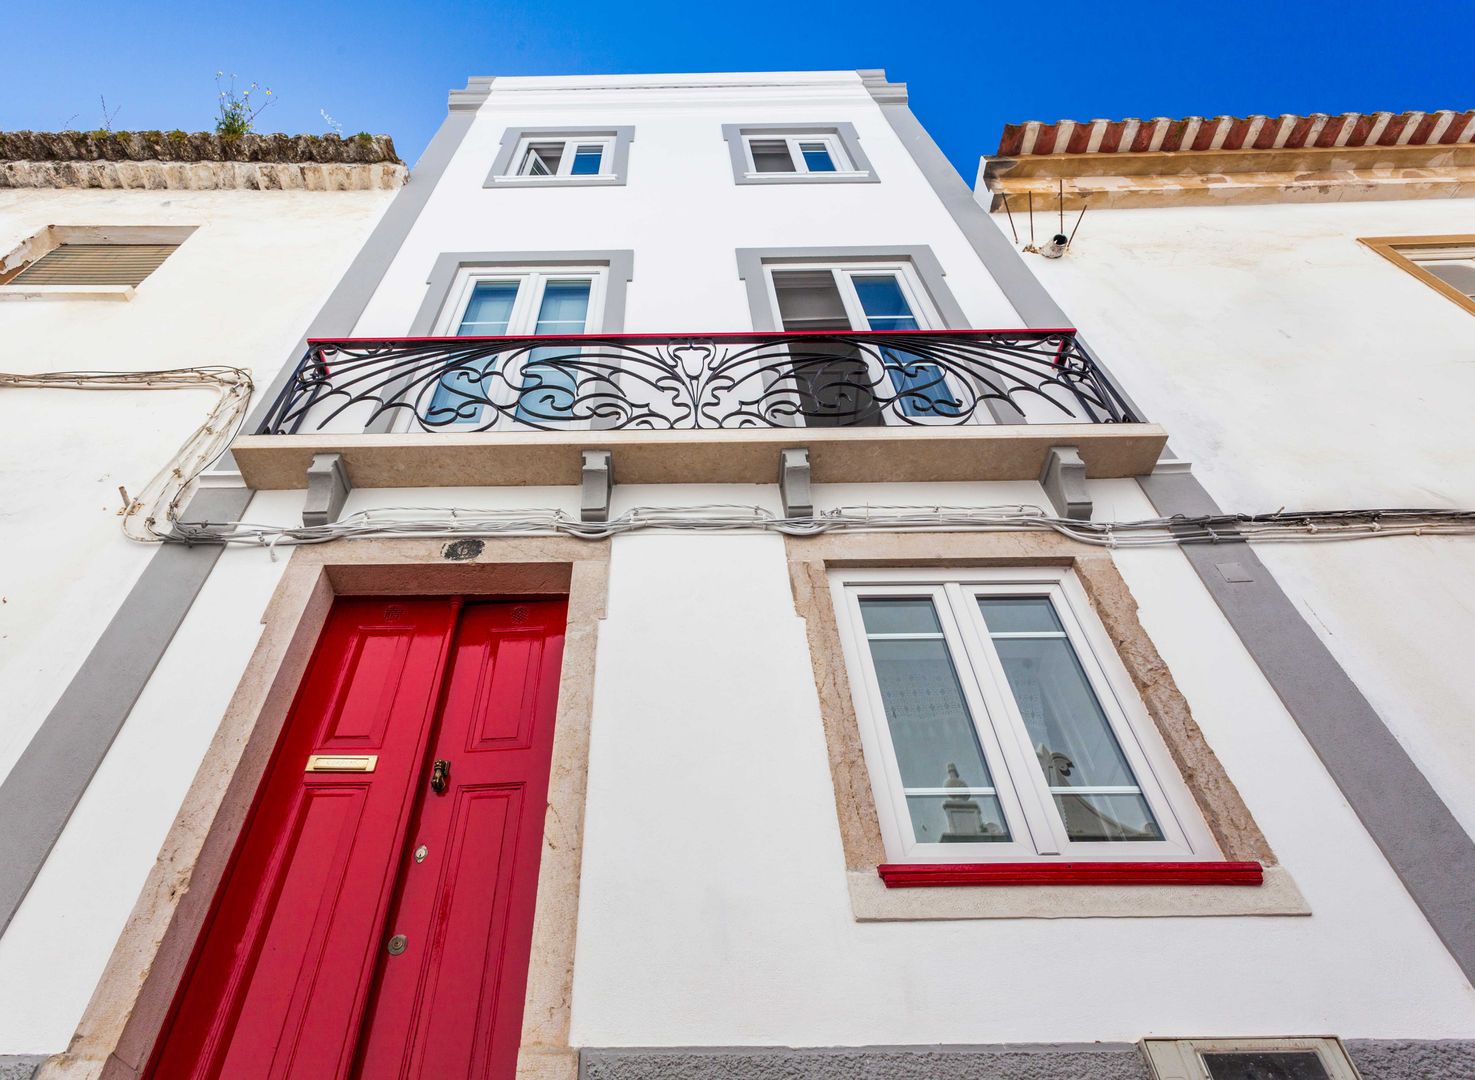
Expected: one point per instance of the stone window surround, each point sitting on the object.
(1224, 812)
(864, 172)
(619, 166)
(1395, 248)
(52, 237)
(128, 1009)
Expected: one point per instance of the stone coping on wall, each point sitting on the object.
(728, 456)
(199, 161)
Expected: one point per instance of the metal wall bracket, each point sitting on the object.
(1064, 481)
(596, 481)
(327, 489)
(793, 482)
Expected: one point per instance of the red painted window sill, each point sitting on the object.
(932, 875)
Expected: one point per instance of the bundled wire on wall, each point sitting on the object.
(149, 515)
(152, 515)
(452, 522)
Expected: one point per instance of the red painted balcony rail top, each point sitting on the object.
(934, 875)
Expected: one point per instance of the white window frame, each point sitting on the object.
(1182, 1059)
(833, 144)
(571, 144)
(1434, 254)
(923, 311)
(1036, 828)
(522, 322)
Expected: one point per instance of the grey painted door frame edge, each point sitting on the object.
(39, 795)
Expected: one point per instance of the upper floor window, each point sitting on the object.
(77, 261)
(995, 714)
(1444, 263)
(846, 383)
(533, 383)
(562, 156)
(796, 153)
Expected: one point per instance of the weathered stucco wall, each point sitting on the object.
(239, 291)
(1296, 368)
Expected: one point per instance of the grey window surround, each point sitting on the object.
(448, 266)
(623, 136)
(752, 261)
(844, 131)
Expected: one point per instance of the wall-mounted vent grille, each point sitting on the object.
(95, 264)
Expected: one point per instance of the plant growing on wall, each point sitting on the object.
(235, 112)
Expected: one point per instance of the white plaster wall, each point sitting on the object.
(240, 291)
(681, 212)
(1297, 368)
(713, 904)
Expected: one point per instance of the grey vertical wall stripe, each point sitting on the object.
(41, 792)
(1420, 838)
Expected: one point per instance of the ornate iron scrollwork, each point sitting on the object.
(663, 382)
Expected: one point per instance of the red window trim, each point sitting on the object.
(932, 875)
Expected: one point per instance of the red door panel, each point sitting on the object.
(292, 977)
(451, 1004)
(280, 978)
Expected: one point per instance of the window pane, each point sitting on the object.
(488, 310)
(1020, 614)
(549, 379)
(460, 393)
(809, 300)
(957, 819)
(901, 615)
(935, 742)
(1265, 1065)
(542, 159)
(586, 161)
(1072, 739)
(921, 388)
(1461, 275)
(565, 307)
(771, 156)
(817, 157)
(883, 301)
(1106, 818)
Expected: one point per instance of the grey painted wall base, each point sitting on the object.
(1087, 1061)
(1376, 1059)
(18, 1068)
(1421, 1059)
(1404, 815)
(39, 794)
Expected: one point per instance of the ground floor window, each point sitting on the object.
(998, 722)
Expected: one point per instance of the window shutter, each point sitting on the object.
(95, 264)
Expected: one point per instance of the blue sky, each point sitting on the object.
(385, 67)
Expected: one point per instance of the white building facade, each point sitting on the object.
(664, 623)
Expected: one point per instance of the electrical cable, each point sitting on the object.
(159, 500)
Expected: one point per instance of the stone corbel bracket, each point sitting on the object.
(327, 489)
(1064, 481)
(596, 482)
(794, 483)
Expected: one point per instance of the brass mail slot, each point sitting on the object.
(342, 762)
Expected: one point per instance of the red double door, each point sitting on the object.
(377, 915)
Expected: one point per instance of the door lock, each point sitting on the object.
(397, 944)
(440, 776)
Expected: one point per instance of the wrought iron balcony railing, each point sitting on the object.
(670, 381)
